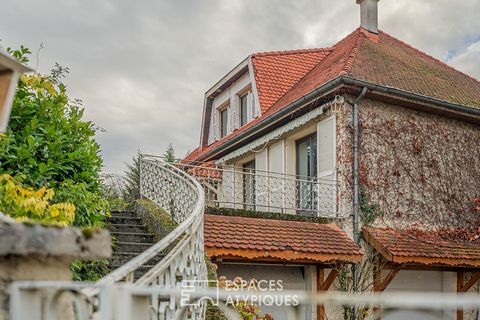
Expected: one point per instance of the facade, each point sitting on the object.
(368, 133)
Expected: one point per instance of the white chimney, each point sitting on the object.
(369, 15)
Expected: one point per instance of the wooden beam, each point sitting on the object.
(379, 284)
(328, 282)
(473, 279)
(390, 276)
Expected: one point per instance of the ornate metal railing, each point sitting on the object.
(126, 302)
(246, 188)
(182, 196)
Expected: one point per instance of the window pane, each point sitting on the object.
(243, 110)
(249, 185)
(306, 192)
(223, 124)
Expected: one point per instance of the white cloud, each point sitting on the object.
(142, 67)
(468, 61)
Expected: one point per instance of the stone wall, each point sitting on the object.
(415, 167)
(36, 252)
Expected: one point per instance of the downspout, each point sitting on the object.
(356, 202)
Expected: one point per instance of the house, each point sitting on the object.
(10, 71)
(314, 159)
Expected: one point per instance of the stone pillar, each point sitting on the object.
(30, 252)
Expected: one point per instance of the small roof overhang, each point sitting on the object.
(421, 248)
(268, 240)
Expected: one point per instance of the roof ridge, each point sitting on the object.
(347, 68)
(288, 52)
(316, 66)
(427, 55)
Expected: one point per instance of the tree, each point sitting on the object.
(132, 179)
(49, 144)
(169, 155)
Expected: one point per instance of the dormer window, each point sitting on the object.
(223, 122)
(244, 109)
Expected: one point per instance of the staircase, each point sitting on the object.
(130, 238)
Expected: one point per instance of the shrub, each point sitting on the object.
(27, 204)
(49, 143)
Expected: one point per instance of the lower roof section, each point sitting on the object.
(256, 239)
(418, 247)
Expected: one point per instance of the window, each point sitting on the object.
(306, 158)
(223, 122)
(243, 109)
(249, 185)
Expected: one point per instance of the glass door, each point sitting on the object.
(306, 160)
(249, 185)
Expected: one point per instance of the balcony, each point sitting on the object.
(250, 189)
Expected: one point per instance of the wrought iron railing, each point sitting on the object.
(245, 188)
(183, 197)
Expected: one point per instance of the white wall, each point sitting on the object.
(294, 278)
(230, 98)
(421, 281)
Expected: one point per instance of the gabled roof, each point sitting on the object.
(422, 248)
(387, 61)
(233, 237)
(278, 71)
(285, 77)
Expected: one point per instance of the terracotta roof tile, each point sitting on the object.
(421, 247)
(276, 72)
(284, 77)
(266, 239)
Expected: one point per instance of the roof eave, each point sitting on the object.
(335, 84)
(9, 62)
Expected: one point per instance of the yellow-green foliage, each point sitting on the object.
(26, 204)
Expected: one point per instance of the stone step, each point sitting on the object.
(138, 273)
(120, 258)
(140, 237)
(117, 219)
(135, 247)
(114, 227)
(124, 213)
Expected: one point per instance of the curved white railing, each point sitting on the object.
(182, 196)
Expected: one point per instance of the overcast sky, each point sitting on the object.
(142, 67)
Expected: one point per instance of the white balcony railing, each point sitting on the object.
(244, 188)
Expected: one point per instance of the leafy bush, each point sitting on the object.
(49, 143)
(90, 271)
(91, 207)
(27, 204)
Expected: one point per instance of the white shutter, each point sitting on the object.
(255, 108)
(212, 134)
(326, 144)
(234, 112)
(249, 106)
(326, 154)
(229, 120)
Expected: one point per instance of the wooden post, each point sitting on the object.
(320, 282)
(323, 285)
(463, 286)
(459, 289)
(379, 285)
